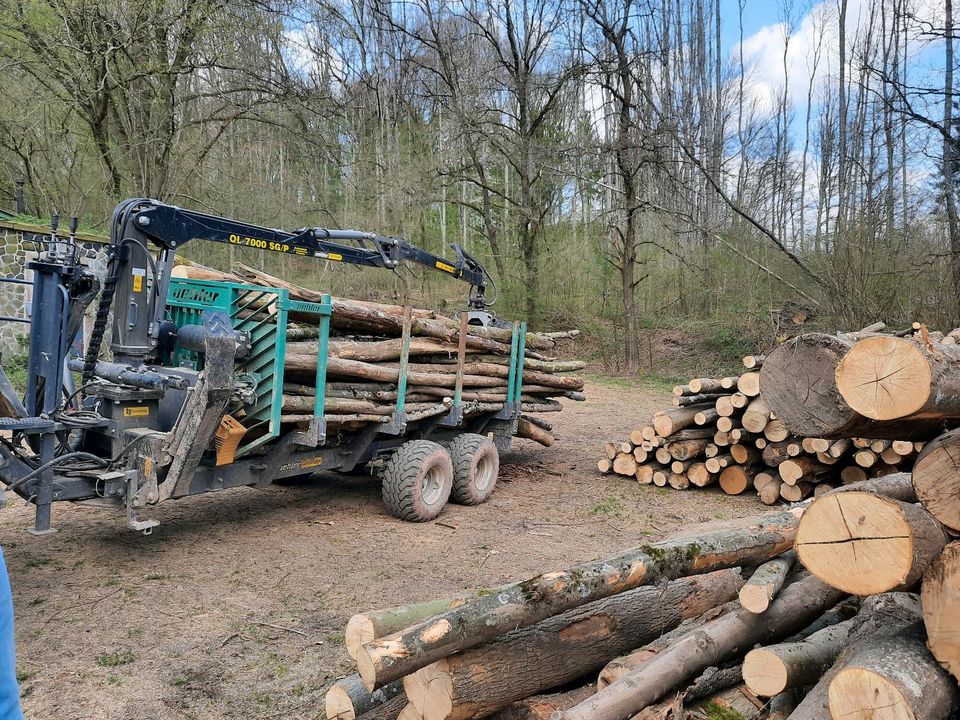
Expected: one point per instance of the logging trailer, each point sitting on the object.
(191, 399)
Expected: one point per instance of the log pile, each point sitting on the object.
(723, 432)
(755, 608)
(364, 355)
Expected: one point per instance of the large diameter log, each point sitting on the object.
(771, 670)
(762, 587)
(865, 544)
(940, 598)
(752, 540)
(747, 541)
(560, 649)
(348, 699)
(879, 616)
(936, 477)
(893, 678)
(886, 378)
(733, 633)
(799, 383)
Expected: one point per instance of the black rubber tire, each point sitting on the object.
(403, 481)
(476, 465)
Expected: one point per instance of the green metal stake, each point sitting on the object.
(512, 377)
(323, 348)
(521, 347)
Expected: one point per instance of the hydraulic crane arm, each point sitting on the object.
(141, 281)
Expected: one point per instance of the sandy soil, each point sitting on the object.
(235, 606)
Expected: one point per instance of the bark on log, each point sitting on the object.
(774, 669)
(762, 587)
(705, 417)
(541, 707)
(532, 431)
(479, 620)
(719, 639)
(865, 544)
(879, 615)
(668, 422)
(706, 385)
(617, 668)
(560, 649)
(940, 599)
(886, 378)
(348, 699)
(936, 477)
(799, 383)
(893, 678)
(364, 627)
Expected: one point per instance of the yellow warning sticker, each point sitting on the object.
(136, 411)
(334, 256)
(138, 283)
(443, 266)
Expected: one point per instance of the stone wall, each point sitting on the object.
(17, 248)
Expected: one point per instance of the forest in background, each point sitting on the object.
(616, 165)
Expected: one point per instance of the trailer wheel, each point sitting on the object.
(476, 465)
(417, 480)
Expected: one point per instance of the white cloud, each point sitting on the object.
(813, 46)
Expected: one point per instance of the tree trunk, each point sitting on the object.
(751, 540)
(765, 583)
(616, 669)
(799, 384)
(893, 677)
(796, 607)
(940, 598)
(880, 615)
(542, 707)
(936, 477)
(774, 669)
(890, 378)
(560, 649)
(865, 544)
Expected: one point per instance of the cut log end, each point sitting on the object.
(359, 630)
(865, 544)
(766, 672)
(884, 378)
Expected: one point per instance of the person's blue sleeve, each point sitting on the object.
(9, 691)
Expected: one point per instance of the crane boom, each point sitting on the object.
(142, 281)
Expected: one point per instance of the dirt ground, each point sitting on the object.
(235, 606)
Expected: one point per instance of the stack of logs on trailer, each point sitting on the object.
(726, 432)
(810, 612)
(365, 347)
